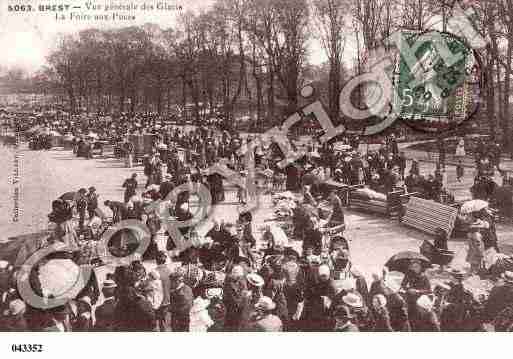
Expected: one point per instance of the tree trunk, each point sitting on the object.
(270, 98)
(506, 119)
(490, 97)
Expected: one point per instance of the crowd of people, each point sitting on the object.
(226, 280)
(286, 293)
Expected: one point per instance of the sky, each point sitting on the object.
(26, 38)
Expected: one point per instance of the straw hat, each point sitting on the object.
(324, 270)
(255, 280)
(16, 307)
(393, 285)
(381, 299)
(214, 292)
(508, 276)
(342, 312)
(458, 274)
(109, 284)
(266, 304)
(237, 271)
(353, 300)
(425, 303)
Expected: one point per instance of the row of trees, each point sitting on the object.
(253, 54)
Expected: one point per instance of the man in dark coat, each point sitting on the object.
(166, 186)
(401, 163)
(221, 237)
(119, 210)
(14, 318)
(274, 286)
(82, 319)
(264, 320)
(81, 205)
(396, 305)
(425, 319)
(92, 202)
(342, 317)
(130, 300)
(461, 311)
(500, 297)
(130, 186)
(181, 298)
(105, 312)
(344, 269)
(142, 315)
(415, 283)
(317, 293)
(234, 288)
(173, 164)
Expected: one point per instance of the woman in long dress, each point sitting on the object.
(460, 148)
(475, 254)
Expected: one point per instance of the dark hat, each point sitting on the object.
(342, 312)
(62, 309)
(338, 241)
(92, 189)
(255, 280)
(441, 232)
(109, 284)
(82, 190)
(275, 260)
(508, 276)
(457, 273)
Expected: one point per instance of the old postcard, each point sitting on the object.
(255, 166)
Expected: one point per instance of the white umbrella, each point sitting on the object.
(280, 238)
(340, 146)
(92, 135)
(474, 205)
(58, 277)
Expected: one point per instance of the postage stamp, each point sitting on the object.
(437, 93)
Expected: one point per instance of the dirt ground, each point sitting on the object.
(44, 175)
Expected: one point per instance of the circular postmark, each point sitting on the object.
(367, 98)
(438, 81)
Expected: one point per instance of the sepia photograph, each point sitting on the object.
(255, 166)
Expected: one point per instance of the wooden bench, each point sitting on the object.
(392, 207)
(342, 189)
(428, 216)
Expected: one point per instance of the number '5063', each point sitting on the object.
(19, 8)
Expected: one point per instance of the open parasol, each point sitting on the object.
(474, 205)
(401, 261)
(68, 196)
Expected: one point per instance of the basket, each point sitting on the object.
(436, 256)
